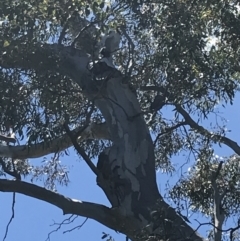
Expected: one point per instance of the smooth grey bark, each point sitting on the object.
(127, 171)
(218, 211)
(97, 212)
(219, 216)
(92, 131)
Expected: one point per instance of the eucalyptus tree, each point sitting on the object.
(57, 91)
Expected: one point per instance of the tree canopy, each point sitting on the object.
(182, 55)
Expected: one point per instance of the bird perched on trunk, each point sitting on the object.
(110, 43)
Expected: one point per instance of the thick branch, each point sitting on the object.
(94, 211)
(130, 158)
(93, 131)
(215, 137)
(41, 57)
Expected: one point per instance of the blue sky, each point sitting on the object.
(33, 218)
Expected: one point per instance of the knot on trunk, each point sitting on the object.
(112, 179)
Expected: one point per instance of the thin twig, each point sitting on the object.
(80, 150)
(77, 227)
(60, 225)
(131, 49)
(12, 217)
(194, 125)
(172, 128)
(211, 224)
(215, 137)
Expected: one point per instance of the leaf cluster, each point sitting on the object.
(197, 186)
(188, 51)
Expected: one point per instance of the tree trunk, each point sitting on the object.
(127, 168)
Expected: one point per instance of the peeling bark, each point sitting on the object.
(128, 169)
(127, 172)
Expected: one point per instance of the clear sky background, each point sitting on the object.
(33, 218)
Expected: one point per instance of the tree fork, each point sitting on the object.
(132, 151)
(130, 161)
